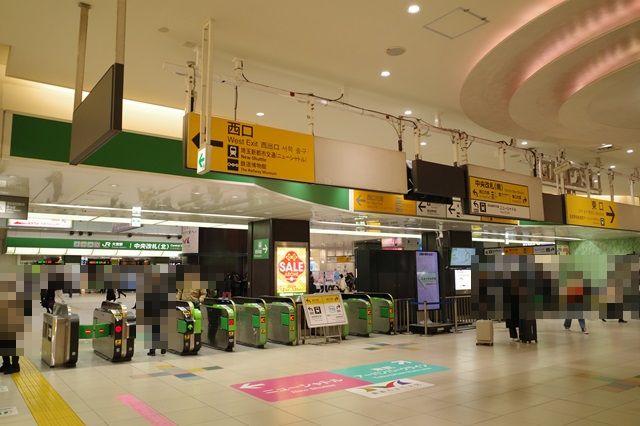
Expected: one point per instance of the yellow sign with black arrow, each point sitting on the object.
(585, 211)
(251, 149)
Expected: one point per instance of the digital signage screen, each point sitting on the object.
(461, 256)
(428, 282)
(292, 269)
(462, 278)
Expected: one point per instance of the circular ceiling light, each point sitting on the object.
(196, 193)
(612, 167)
(629, 151)
(524, 143)
(413, 9)
(260, 114)
(408, 112)
(423, 143)
(385, 73)
(396, 51)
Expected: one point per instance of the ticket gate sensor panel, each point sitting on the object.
(282, 320)
(359, 315)
(118, 344)
(186, 340)
(383, 312)
(218, 323)
(60, 337)
(251, 315)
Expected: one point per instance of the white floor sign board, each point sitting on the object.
(323, 310)
(393, 387)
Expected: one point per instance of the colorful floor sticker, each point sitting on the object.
(389, 370)
(171, 370)
(303, 385)
(393, 387)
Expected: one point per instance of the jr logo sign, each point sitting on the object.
(291, 266)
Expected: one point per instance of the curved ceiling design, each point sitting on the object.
(569, 76)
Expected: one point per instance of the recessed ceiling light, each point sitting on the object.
(524, 143)
(595, 181)
(413, 9)
(606, 145)
(629, 151)
(385, 73)
(423, 143)
(234, 197)
(408, 112)
(260, 114)
(114, 185)
(163, 29)
(612, 167)
(196, 193)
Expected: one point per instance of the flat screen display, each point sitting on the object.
(461, 256)
(99, 117)
(462, 278)
(428, 282)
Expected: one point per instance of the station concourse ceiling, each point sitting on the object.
(579, 86)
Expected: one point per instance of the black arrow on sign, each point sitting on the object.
(611, 214)
(421, 206)
(475, 192)
(451, 209)
(196, 141)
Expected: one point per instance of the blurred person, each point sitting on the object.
(342, 284)
(15, 305)
(111, 295)
(581, 321)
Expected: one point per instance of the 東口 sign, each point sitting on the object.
(585, 211)
(291, 270)
(251, 149)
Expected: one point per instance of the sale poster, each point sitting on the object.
(291, 270)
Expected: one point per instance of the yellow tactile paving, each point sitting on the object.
(46, 405)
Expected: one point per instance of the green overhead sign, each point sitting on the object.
(261, 248)
(92, 244)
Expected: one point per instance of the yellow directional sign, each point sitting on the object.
(380, 202)
(585, 211)
(483, 189)
(252, 149)
(491, 219)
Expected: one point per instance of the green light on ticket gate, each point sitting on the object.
(255, 321)
(284, 319)
(384, 312)
(362, 313)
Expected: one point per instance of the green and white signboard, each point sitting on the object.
(261, 248)
(94, 244)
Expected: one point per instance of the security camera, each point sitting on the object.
(89, 233)
(129, 235)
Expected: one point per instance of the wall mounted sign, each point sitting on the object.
(92, 244)
(41, 223)
(261, 248)
(14, 207)
(381, 202)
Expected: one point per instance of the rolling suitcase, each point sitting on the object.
(528, 331)
(484, 332)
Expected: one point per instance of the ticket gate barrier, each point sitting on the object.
(251, 315)
(114, 331)
(383, 312)
(218, 323)
(186, 340)
(282, 320)
(60, 337)
(359, 313)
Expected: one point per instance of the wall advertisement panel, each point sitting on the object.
(292, 270)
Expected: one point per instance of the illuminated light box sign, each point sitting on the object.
(41, 223)
(291, 269)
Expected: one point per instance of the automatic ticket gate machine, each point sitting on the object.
(251, 314)
(60, 337)
(359, 313)
(114, 331)
(218, 323)
(382, 308)
(186, 340)
(282, 320)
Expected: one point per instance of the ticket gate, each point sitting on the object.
(114, 331)
(60, 337)
(382, 312)
(218, 323)
(186, 340)
(251, 314)
(358, 309)
(282, 320)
